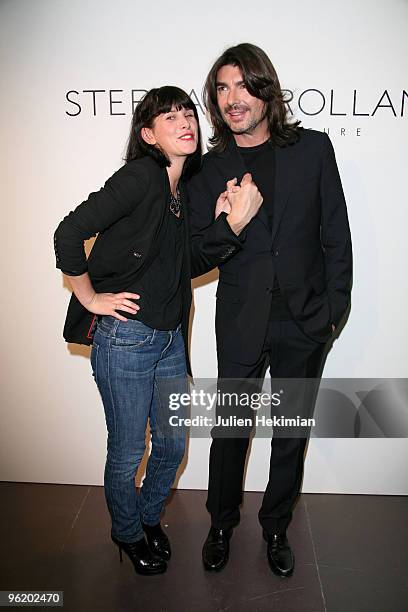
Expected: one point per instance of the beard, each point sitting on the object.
(252, 124)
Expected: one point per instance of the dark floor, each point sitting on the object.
(351, 554)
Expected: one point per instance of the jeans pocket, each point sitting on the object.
(130, 342)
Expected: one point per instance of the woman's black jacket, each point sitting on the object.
(127, 215)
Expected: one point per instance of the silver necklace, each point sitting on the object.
(175, 203)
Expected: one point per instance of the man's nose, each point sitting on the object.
(232, 97)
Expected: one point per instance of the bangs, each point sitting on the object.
(169, 97)
(156, 102)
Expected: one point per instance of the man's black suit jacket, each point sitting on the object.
(309, 248)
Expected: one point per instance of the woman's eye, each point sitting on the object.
(169, 117)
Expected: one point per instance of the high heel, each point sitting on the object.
(144, 561)
(157, 540)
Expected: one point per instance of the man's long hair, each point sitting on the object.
(262, 82)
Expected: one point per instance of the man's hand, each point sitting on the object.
(244, 201)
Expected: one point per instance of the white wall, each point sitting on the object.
(52, 423)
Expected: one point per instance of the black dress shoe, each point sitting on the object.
(157, 540)
(216, 549)
(142, 557)
(279, 553)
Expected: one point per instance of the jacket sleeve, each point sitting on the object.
(123, 191)
(212, 241)
(335, 235)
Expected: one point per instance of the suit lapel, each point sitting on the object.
(282, 184)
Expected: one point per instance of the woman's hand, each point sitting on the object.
(222, 203)
(102, 303)
(244, 204)
(108, 303)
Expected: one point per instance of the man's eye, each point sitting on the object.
(221, 88)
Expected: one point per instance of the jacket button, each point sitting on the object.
(276, 253)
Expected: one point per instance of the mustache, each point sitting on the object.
(235, 107)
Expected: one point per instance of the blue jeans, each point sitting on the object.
(135, 367)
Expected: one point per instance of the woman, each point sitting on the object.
(139, 348)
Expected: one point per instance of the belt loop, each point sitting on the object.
(114, 328)
(153, 336)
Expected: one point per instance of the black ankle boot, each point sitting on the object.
(157, 540)
(141, 556)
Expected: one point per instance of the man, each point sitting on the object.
(284, 283)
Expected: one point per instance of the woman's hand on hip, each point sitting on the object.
(108, 303)
(102, 303)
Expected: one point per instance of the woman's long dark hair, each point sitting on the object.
(154, 103)
(262, 82)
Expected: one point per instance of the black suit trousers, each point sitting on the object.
(290, 354)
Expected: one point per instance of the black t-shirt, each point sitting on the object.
(160, 286)
(260, 162)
